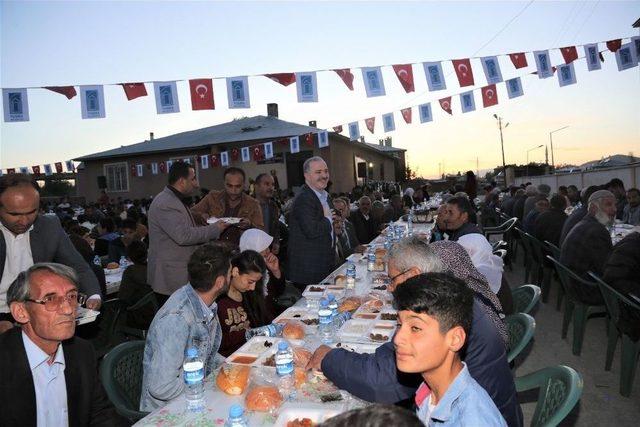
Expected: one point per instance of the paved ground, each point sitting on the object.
(601, 403)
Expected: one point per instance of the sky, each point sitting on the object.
(73, 43)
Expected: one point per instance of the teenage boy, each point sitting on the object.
(434, 318)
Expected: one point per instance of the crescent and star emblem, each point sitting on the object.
(489, 93)
(203, 92)
(463, 69)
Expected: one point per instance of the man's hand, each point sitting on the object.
(94, 304)
(360, 249)
(275, 248)
(244, 223)
(338, 225)
(316, 360)
(221, 225)
(273, 265)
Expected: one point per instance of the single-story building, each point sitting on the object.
(350, 162)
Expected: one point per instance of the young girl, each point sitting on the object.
(243, 307)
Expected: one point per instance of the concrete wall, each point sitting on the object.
(629, 174)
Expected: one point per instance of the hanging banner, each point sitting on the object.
(337, 129)
(404, 72)
(370, 123)
(268, 150)
(592, 55)
(16, 105)
(543, 63)
(169, 164)
(566, 74)
(204, 161)
(425, 112)
(388, 122)
(346, 76)
(58, 166)
(489, 96)
(373, 83)
(134, 90)
(166, 97)
(406, 115)
(215, 160)
(24, 170)
(285, 79)
(491, 68)
(36, 170)
(154, 168)
(70, 166)
(467, 101)
(435, 76)
(323, 139)
(238, 92)
(224, 158)
(201, 94)
(569, 53)
(463, 70)
(92, 102)
(354, 131)
(47, 170)
(308, 138)
(294, 144)
(519, 59)
(162, 167)
(246, 154)
(626, 57)
(614, 45)
(258, 152)
(307, 87)
(11, 171)
(445, 104)
(635, 41)
(68, 91)
(514, 88)
(140, 170)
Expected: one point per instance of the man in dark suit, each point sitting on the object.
(347, 240)
(264, 189)
(366, 226)
(312, 248)
(588, 245)
(548, 225)
(27, 238)
(48, 377)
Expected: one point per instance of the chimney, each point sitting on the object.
(387, 142)
(362, 139)
(381, 142)
(150, 136)
(272, 110)
(313, 124)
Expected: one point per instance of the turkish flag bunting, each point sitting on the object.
(68, 91)
(406, 114)
(283, 141)
(405, 75)
(59, 167)
(163, 167)
(489, 96)
(133, 170)
(36, 170)
(134, 90)
(346, 76)
(215, 160)
(569, 54)
(553, 69)
(308, 138)
(371, 123)
(614, 45)
(445, 103)
(201, 94)
(337, 129)
(258, 152)
(11, 171)
(601, 56)
(285, 79)
(235, 153)
(519, 59)
(463, 71)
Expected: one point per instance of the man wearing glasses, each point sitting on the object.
(48, 377)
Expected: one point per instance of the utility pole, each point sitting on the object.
(546, 154)
(504, 166)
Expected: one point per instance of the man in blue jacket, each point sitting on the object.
(375, 378)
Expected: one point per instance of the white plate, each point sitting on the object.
(316, 412)
(228, 220)
(308, 293)
(109, 271)
(85, 315)
(355, 328)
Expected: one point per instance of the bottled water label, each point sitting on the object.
(193, 372)
(284, 364)
(324, 316)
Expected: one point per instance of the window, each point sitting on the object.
(117, 177)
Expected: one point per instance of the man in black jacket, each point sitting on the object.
(366, 226)
(48, 376)
(548, 225)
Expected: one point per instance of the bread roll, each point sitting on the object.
(340, 279)
(293, 330)
(113, 266)
(263, 399)
(350, 304)
(233, 379)
(301, 356)
(380, 253)
(300, 376)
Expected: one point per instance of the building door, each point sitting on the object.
(294, 162)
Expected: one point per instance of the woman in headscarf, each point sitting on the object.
(407, 197)
(458, 262)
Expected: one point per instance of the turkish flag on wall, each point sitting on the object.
(201, 94)
(68, 91)
(283, 141)
(337, 129)
(11, 171)
(569, 54)
(134, 90)
(463, 71)
(519, 59)
(258, 152)
(346, 76)
(36, 170)
(163, 167)
(406, 114)
(215, 160)
(614, 45)
(285, 79)
(59, 167)
(308, 138)
(445, 103)
(235, 153)
(489, 96)
(371, 123)
(405, 75)
(133, 170)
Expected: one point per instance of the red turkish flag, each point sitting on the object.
(569, 54)
(283, 141)
(36, 170)
(463, 71)
(11, 171)
(68, 91)
(133, 170)
(163, 167)
(406, 114)
(404, 72)
(346, 76)
(201, 94)
(134, 90)
(308, 138)
(337, 129)
(445, 103)
(258, 152)
(59, 167)
(489, 96)
(371, 123)
(285, 79)
(519, 59)
(215, 160)
(235, 154)
(614, 45)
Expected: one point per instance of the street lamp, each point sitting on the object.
(531, 149)
(504, 166)
(553, 162)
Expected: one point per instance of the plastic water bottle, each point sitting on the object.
(236, 417)
(96, 261)
(193, 369)
(341, 319)
(351, 275)
(123, 262)
(410, 222)
(272, 330)
(325, 327)
(333, 305)
(284, 369)
(371, 260)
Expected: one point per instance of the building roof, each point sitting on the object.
(245, 129)
(384, 148)
(610, 161)
(636, 24)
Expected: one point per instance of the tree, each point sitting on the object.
(409, 173)
(57, 188)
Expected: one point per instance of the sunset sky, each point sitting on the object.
(73, 43)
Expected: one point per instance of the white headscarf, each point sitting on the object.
(481, 253)
(255, 240)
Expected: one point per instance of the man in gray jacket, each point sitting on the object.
(173, 233)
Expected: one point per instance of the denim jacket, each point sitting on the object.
(465, 403)
(184, 320)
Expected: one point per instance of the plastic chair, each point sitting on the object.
(108, 319)
(121, 375)
(501, 229)
(542, 272)
(500, 244)
(528, 250)
(630, 349)
(525, 297)
(560, 389)
(148, 299)
(575, 308)
(554, 251)
(521, 328)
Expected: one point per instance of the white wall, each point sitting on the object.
(629, 174)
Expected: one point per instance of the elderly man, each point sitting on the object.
(542, 190)
(395, 210)
(374, 377)
(541, 205)
(631, 212)
(579, 213)
(365, 224)
(264, 189)
(28, 238)
(573, 195)
(347, 240)
(312, 243)
(588, 245)
(48, 377)
(188, 319)
(173, 232)
(548, 225)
